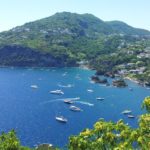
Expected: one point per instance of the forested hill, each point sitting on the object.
(123, 28)
(64, 39)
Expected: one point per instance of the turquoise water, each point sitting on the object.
(31, 112)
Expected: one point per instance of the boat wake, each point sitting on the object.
(72, 99)
(85, 103)
(58, 100)
(51, 101)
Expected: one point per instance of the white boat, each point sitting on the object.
(61, 119)
(90, 90)
(100, 98)
(65, 86)
(130, 89)
(64, 74)
(67, 101)
(126, 112)
(74, 108)
(78, 77)
(34, 86)
(43, 146)
(59, 92)
(131, 116)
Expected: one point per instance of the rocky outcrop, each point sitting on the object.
(147, 84)
(119, 83)
(96, 79)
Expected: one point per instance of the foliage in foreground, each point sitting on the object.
(104, 136)
(9, 141)
(116, 136)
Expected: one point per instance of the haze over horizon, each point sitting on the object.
(16, 12)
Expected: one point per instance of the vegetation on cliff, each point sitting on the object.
(65, 39)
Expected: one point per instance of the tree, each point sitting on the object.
(116, 136)
(9, 141)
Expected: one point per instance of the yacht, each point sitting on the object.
(58, 92)
(74, 108)
(126, 112)
(90, 90)
(61, 119)
(100, 98)
(67, 101)
(131, 116)
(34, 86)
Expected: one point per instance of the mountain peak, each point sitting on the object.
(65, 28)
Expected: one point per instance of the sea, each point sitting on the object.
(32, 111)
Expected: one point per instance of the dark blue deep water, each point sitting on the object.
(31, 112)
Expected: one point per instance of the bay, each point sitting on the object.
(31, 112)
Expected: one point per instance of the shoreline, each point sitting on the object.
(85, 67)
(132, 79)
(137, 82)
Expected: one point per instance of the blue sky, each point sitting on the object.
(18, 12)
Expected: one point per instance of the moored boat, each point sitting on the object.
(61, 119)
(34, 86)
(65, 86)
(89, 90)
(100, 98)
(44, 146)
(67, 101)
(126, 112)
(74, 108)
(131, 116)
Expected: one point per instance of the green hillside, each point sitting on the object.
(123, 28)
(65, 39)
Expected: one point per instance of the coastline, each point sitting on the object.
(132, 79)
(86, 67)
(137, 82)
(82, 66)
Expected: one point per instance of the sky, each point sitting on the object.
(17, 12)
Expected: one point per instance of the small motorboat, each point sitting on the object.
(131, 116)
(130, 89)
(58, 92)
(64, 74)
(89, 90)
(78, 77)
(61, 119)
(43, 146)
(100, 98)
(74, 108)
(65, 86)
(34, 86)
(67, 101)
(126, 112)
